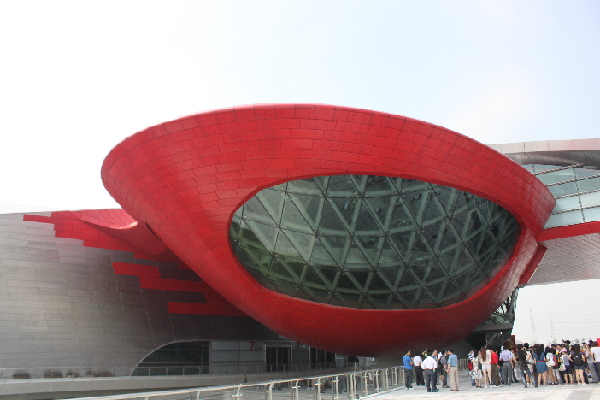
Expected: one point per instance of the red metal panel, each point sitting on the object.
(308, 140)
(532, 266)
(116, 230)
(569, 231)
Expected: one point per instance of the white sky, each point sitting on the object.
(77, 77)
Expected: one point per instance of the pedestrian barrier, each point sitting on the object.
(343, 386)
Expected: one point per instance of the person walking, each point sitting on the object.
(506, 358)
(429, 365)
(596, 356)
(524, 365)
(540, 364)
(515, 367)
(495, 373)
(408, 371)
(550, 363)
(593, 376)
(442, 370)
(452, 370)
(477, 372)
(578, 361)
(567, 372)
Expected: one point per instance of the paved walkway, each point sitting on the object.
(513, 392)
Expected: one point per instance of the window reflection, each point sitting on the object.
(577, 192)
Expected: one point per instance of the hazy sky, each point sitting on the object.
(77, 77)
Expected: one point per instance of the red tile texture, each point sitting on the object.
(186, 178)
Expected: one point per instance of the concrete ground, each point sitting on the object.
(512, 392)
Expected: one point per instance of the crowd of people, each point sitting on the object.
(429, 367)
(555, 364)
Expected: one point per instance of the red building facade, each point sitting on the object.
(185, 180)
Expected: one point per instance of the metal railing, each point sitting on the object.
(344, 386)
(171, 370)
(232, 369)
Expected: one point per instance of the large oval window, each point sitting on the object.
(365, 241)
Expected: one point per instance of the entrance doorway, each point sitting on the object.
(278, 358)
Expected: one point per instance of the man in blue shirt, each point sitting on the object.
(452, 370)
(408, 371)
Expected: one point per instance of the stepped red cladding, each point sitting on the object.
(186, 178)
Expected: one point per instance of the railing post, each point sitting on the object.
(388, 379)
(236, 393)
(269, 392)
(365, 385)
(335, 388)
(295, 394)
(317, 387)
(349, 387)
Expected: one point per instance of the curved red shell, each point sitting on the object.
(186, 178)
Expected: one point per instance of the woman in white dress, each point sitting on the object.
(485, 358)
(477, 372)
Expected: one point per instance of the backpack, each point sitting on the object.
(577, 359)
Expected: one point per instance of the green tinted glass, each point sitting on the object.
(364, 241)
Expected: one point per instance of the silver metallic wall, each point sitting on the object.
(62, 305)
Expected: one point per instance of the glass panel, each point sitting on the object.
(564, 219)
(320, 256)
(378, 186)
(304, 186)
(271, 202)
(542, 167)
(309, 207)
(381, 209)
(557, 176)
(341, 186)
(366, 224)
(586, 185)
(401, 220)
(293, 219)
(591, 214)
(346, 208)
(254, 210)
(412, 185)
(330, 223)
(177, 359)
(372, 242)
(564, 189)
(583, 172)
(567, 203)
(337, 247)
(588, 199)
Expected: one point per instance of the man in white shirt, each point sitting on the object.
(419, 380)
(506, 356)
(429, 365)
(596, 354)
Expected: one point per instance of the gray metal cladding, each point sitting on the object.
(63, 306)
